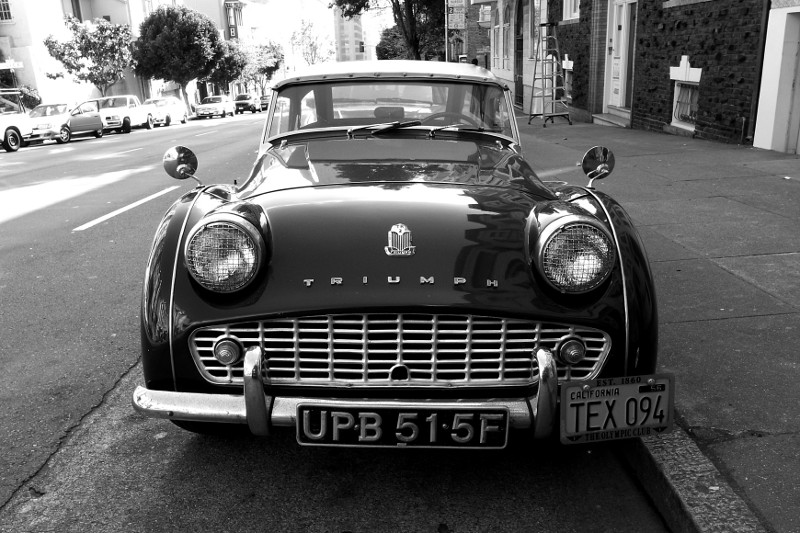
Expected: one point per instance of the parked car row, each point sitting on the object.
(121, 113)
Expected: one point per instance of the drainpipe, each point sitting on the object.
(751, 129)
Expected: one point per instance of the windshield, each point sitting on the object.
(113, 102)
(212, 100)
(358, 103)
(243, 97)
(49, 110)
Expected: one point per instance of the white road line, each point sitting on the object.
(129, 151)
(20, 201)
(123, 209)
(206, 133)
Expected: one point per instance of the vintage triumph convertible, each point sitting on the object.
(393, 273)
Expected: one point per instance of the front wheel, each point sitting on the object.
(149, 123)
(98, 133)
(12, 140)
(168, 120)
(126, 125)
(64, 135)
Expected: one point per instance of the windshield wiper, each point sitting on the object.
(457, 125)
(382, 127)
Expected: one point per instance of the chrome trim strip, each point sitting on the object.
(172, 284)
(195, 406)
(622, 271)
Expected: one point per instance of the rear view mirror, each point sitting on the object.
(597, 163)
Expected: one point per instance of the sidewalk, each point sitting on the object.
(721, 224)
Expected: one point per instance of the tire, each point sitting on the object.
(185, 119)
(64, 135)
(12, 140)
(168, 120)
(149, 123)
(99, 133)
(126, 125)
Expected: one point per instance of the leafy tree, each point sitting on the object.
(177, 43)
(98, 52)
(264, 59)
(417, 21)
(391, 45)
(312, 46)
(230, 65)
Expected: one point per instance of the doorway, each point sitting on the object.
(519, 41)
(622, 41)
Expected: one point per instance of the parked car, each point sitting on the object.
(393, 273)
(247, 102)
(212, 106)
(124, 112)
(167, 109)
(264, 100)
(15, 124)
(60, 123)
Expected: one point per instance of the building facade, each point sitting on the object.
(724, 70)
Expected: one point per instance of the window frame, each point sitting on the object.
(571, 10)
(5, 11)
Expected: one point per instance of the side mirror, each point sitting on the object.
(597, 163)
(180, 163)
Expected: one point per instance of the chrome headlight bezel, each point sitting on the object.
(252, 256)
(557, 275)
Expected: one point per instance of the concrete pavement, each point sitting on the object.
(721, 224)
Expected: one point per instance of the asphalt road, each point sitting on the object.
(76, 457)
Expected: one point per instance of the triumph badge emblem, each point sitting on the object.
(399, 241)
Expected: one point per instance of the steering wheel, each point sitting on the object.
(445, 114)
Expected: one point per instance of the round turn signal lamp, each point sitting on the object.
(572, 352)
(227, 352)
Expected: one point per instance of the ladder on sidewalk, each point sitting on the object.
(547, 90)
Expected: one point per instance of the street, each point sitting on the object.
(76, 223)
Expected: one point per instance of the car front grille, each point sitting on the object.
(398, 350)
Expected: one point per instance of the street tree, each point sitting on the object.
(231, 64)
(313, 47)
(98, 51)
(178, 44)
(263, 60)
(417, 21)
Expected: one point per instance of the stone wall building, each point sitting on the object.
(724, 70)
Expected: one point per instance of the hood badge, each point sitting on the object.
(400, 241)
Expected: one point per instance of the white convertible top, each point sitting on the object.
(438, 70)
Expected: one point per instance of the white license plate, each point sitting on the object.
(616, 408)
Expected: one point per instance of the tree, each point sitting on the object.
(413, 18)
(263, 60)
(391, 45)
(178, 44)
(230, 65)
(312, 46)
(98, 52)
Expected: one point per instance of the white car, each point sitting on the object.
(16, 126)
(219, 105)
(168, 109)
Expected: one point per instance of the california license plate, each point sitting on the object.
(398, 427)
(616, 408)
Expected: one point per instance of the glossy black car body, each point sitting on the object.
(393, 273)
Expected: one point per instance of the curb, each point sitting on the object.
(685, 486)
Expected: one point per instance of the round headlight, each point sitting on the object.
(224, 254)
(576, 257)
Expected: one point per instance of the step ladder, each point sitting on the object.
(547, 90)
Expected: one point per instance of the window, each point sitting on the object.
(572, 9)
(506, 34)
(535, 16)
(5, 10)
(495, 37)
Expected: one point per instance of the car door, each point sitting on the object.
(86, 117)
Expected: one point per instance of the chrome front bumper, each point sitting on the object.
(260, 412)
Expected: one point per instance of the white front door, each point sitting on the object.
(621, 37)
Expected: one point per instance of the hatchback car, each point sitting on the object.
(393, 273)
(60, 123)
(167, 110)
(247, 102)
(211, 106)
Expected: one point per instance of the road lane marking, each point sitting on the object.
(23, 200)
(123, 209)
(205, 133)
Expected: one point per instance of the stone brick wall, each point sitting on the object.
(721, 37)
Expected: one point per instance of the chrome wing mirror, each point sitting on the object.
(597, 163)
(180, 163)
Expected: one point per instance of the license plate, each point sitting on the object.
(616, 408)
(399, 427)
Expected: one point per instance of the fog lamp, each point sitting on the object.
(227, 352)
(572, 352)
